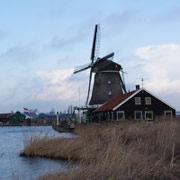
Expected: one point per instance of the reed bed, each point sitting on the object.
(126, 150)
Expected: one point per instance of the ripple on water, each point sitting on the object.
(11, 144)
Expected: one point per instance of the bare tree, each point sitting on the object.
(52, 112)
(33, 112)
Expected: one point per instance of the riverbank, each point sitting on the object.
(12, 166)
(61, 129)
(24, 124)
(128, 150)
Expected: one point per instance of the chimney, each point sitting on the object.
(137, 87)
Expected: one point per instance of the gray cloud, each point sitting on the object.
(17, 62)
(60, 42)
(169, 15)
(19, 88)
(18, 54)
(122, 18)
(117, 22)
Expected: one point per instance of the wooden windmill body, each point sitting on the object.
(107, 80)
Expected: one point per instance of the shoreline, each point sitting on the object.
(127, 150)
(20, 125)
(62, 129)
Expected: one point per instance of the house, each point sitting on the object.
(16, 118)
(12, 118)
(139, 104)
(4, 117)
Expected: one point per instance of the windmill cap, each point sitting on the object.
(106, 65)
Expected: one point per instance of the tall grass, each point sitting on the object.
(128, 150)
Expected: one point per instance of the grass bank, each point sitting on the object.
(128, 150)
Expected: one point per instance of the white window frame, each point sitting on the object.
(118, 112)
(137, 100)
(138, 112)
(148, 100)
(146, 112)
(167, 111)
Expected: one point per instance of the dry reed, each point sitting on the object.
(128, 150)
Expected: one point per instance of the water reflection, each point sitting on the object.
(11, 144)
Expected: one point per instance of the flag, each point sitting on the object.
(26, 111)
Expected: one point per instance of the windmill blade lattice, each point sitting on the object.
(96, 43)
(89, 87)
(82, 68)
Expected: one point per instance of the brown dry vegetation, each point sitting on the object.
(129, 150)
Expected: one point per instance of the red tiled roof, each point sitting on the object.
(109, 105)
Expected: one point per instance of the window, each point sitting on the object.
(108, 115)
(112, 115)
(138, 115)
(137, 100)
(148, 115)
(148, 100)
(120, 115)
(105, 115)
(99, 116)
(168, 113)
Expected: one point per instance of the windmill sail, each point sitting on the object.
(96, 43)
(90, 77)
(107, 57)
(107, 80)
(93, 56)
(82, 68)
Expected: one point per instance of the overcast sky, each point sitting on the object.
(41, 41)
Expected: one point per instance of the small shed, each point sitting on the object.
(139, 105)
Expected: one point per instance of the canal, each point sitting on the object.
(13, 166)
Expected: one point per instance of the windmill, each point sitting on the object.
(108, 81)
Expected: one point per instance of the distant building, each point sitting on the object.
(12, 118)
(16, 118)
(178, 114)
(4, 117)
(47, 119)
(139, 105)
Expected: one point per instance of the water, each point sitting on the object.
(11, 144)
